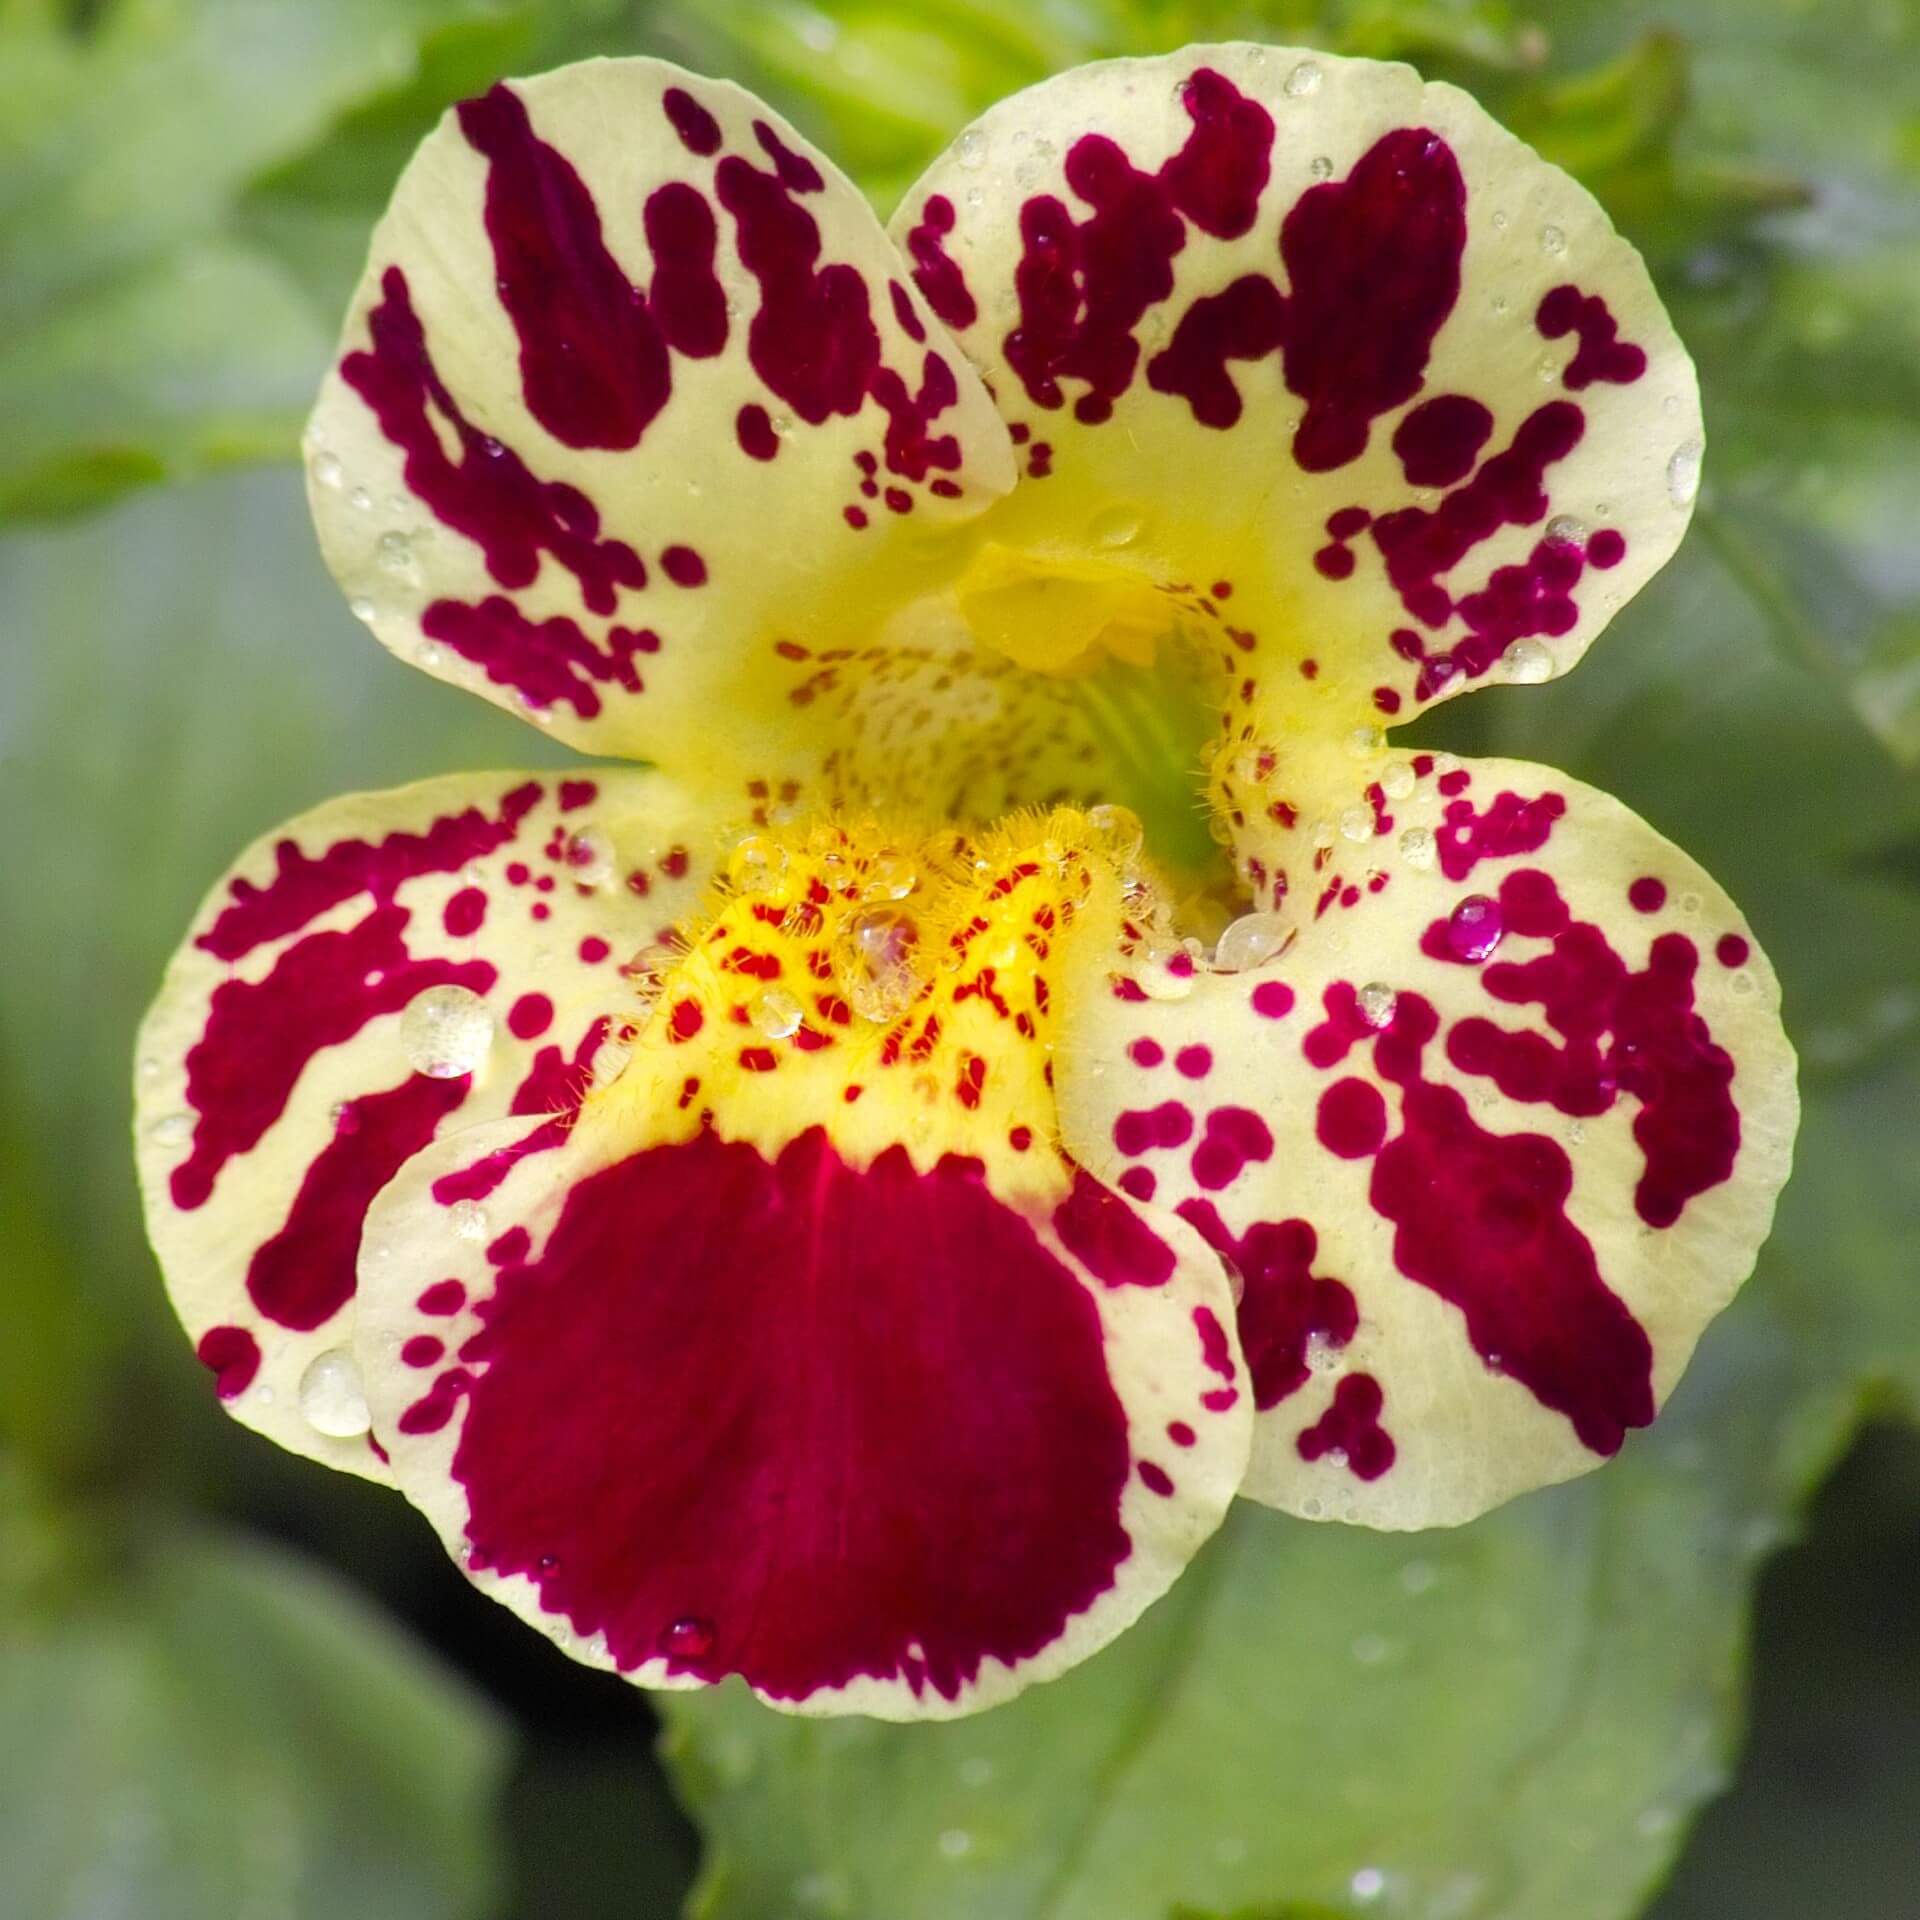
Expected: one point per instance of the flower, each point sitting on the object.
(848, 1205)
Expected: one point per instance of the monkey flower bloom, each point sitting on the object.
(848, 1205)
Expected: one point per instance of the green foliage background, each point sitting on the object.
(231, 1686)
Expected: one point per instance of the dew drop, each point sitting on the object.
(1417, 848)
(647, 971)
(430, 654)
(1566, 529)
(1118, 831)
(171, 1130)
(755, 864)
(1157, 977)
(775, 1013)
(1683, 473)
(688, 1638)
(890, 876)
(327, 470)
(446, 1032)
(1320, 167)
(332, 1400)
(1116, 527)
(1322, 1355)
(1356, 823)
(1552, 240)
(1367, 1884)
(1397, 781)
(1474, 927)
(1526, 663)
(590, 855)
(361, 608)
(1304, 80)
(361, 499)
(395, 553)
(1249, 942)
(1377, 1003)
(1364, 742)
(468, 1219)
(971, 148)
(875, 961)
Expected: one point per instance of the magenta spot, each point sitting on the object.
(1731, 950)
(1351, 1426)
(575, 794)
(1141, 1129)
(1438, 442)
(594, 365)
(305, 1273)
(1216, 1351)
(434, 1409)
(1510, 827)
(1334, 563)
(754, 430)
(232, 1356)
(1180, 1433)
(593, 949)
(935, 272)
(1084, 286)
(1602, 354)
(1109, 1239)
(684, 567)
(1140, 1182)
(1194, 1062)
(1607, 548)
(1156, 1479)
(1480, 1220)
(303, 888)
(1647, 895)
(1234, 1136)
(259, 1036)
(1272, 999)
(903, 313)
(1146, 1053)
(794, 170)
(1283, 1304)
(510, 1250)
(1245, 321)
(1352, 1119)
(682, 1474)
(547, 662)
(423, 1350)
(443, 1299)
(464, 912)
(699, 131)
(530, 1016)
(1688, 1129)
(1474, 928)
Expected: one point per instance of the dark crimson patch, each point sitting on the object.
(846, 1423)
(232, 1356)
(1109, 1239)
(935, 272)
(547, 662)
(1602, 354)
(1351, 1425)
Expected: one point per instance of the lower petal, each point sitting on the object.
(378, 970)
(1489, 1142)
(796, 1360)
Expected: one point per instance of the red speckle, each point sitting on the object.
(1272, 999)
(935, 272)
(547, 662)
(1351, 1120)
(593, 349)
(1602, 354)
(259, 1036)
(699, 131)
(1508, 828)
(530, 1016)
(684, 567)
(1180, 1433)
(1146, 1053)
(1084, 286)
(443, 1299)
(1140, 1182)
(754, 430)
(1438, 442)
(464, 912)
(1282, 1303)
(423, 1350)
(1020, 1138)
(1731, 950)
(1141, 1129)
(1607, 548)
(305, 1273)
(686, 1020)
(1233, 1137)
(1351, 1424)
(1194, 1062)
(1647, 895)
(574, 794)
(1156, 1479)
(1386, 700)
(232, 1356)
(593, 949)
(1109, 1239)
(682, 1474)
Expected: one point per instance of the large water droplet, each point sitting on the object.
(327, 470)
(332, 1400)
(1377, 1003)
(1683, 473)
(1304, 80)
(755, 864)
(395, 553)
(776, 1013)
(1249, 942)
(468, 1219)
(1474, 927)
(890, 876)
(171, 1129)
(1526, 663)
(971, 148)
(1116, 527)
(648, 969)
(1552, 240)
(688, 1638)
(446, 1032)
(1356, 823)
(1397, 780)
(1117, 832)
(590, 855)
(875, 962)
(1417, 848)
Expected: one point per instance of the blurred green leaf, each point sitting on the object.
(204, 1728)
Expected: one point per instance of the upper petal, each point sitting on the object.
(808, 1356)
(1490, 1142)
(633, 388)
(376, 971)
(1334, 344)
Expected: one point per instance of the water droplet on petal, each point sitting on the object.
(1377, 1003)
(890, 876)
(362, 499)
(1552, 240)
(327, 470)
(171, 1130)
(1417, 848)
(446, 1032)
(1249, 942)
(1397, 780)
(468, 1219)
(1320, 167)
(755, 864)
(1304, 80)
(361, 608)
(332, 1400)
(1564, 528)
(688, 1638)
(1116, 527)
(875, 962)
(590, 855)
(971, 148)
(1356, 823)
(395, 553)
(1526, 663)
(647, 971)
(1683, 473)
(1474, 927)
(776, 1013)
(1118, 832)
